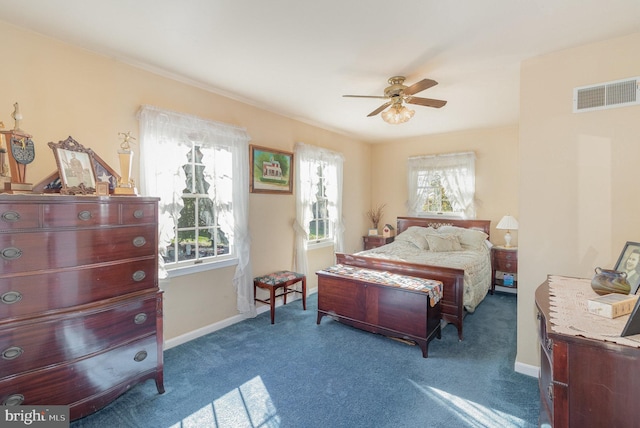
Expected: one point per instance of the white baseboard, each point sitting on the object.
(527, 369)
(194, 334)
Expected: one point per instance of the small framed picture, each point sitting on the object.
(629, 262)
(102, 188)
(373, 232)
(271, 171)
(75, 167)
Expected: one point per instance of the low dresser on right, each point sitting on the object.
(585, 381)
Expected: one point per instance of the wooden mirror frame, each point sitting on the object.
(84, 156)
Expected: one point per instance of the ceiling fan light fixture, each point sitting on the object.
(397, 114)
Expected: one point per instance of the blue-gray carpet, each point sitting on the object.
(298, 374)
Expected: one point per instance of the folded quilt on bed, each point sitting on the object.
(428, 246)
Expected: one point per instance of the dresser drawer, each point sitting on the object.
(79, 380)
(139, 213)
(32, 251)
(506, 261)
(19, 216)
(23, 295)
(52, 340)
(79, 215)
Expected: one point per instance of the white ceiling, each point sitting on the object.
(298, 57)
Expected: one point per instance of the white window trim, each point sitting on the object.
(177, 271)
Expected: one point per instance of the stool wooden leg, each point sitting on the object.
(285, 290)
(304, 293)
(272, 302)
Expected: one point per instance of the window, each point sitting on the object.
(320, 225)
(442, 184)
(204, 226)
(199, 170)
(318, 200)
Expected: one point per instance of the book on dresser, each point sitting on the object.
(80, 307)
(612, 305)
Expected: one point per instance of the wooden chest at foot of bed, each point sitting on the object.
(388, 310)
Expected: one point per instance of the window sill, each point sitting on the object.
(200, 267)
(317, 245)
(440, 215)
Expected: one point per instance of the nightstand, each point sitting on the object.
(504, 260)
(375, 241)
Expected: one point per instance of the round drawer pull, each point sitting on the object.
(140, 356)
(140, 318)
(11, 297)
(84, 215)
(13, 400)
(11, 253)
(139, 241)
(12, 353)
(138, 275)
(10, 216)
(138, 213)
(508, 265)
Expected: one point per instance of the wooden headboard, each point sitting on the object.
(405, 222)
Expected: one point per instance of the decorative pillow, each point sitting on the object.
(416, 236)
(470, 239)
(442, 242)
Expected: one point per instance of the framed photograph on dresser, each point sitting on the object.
(629, 263)
(75, 167)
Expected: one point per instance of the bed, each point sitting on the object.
(455, 252)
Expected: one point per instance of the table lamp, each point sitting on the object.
(507, 223)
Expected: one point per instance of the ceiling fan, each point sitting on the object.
(397, 94)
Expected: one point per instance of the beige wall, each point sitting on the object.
(496, 172)
(579, 201)
(66, 91)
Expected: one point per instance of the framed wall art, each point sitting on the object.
(75, 167)
(629, 262)
(271, 170)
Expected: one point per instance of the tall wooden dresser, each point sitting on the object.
(80, 308)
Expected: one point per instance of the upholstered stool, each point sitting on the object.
(282, 279)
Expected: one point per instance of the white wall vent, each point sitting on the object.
(618, 93)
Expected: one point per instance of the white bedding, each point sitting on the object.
(475, 260)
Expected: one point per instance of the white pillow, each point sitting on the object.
(416, 235)
(443, 242)
(470, 239)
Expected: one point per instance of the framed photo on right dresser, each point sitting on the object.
(629, 263)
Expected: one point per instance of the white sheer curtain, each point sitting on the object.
(165, 136)
(458, 174)
(307, 159)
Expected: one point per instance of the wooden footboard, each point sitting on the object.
(452, 280)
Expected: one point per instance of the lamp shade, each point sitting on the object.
(397, 114)
(508, 222)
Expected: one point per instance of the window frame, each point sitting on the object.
(447, 167)
(191, 167)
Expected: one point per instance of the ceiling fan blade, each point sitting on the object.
(365, 96)
(429, 102)
(379, 109)
(420, 86)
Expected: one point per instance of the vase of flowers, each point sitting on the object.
(375, 215)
